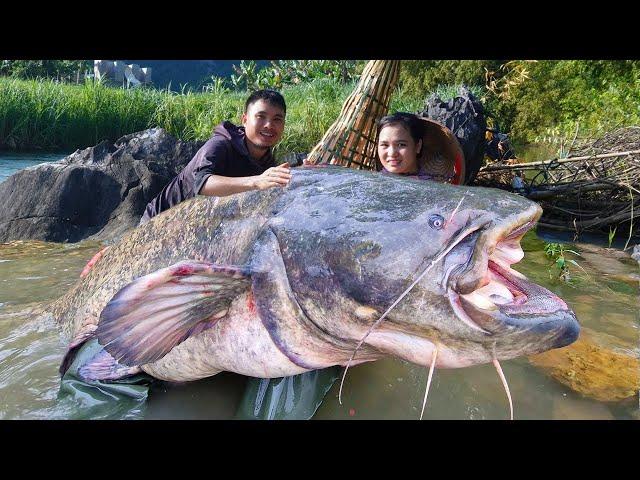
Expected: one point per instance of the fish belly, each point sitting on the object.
(238, 343)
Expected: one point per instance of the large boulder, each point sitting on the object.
(597, 366)
(99, 192)
(464, 116)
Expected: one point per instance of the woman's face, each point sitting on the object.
(397, 150)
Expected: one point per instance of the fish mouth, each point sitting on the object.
(490, 296)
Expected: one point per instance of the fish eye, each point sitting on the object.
(436, 221)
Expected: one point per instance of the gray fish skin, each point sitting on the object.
(326, 256)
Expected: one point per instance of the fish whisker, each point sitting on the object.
(434, 355)
(504, 383)
(457, 240)
(455, 210)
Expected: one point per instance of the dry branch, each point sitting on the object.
(591, 191)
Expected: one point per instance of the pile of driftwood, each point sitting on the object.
(597, 188)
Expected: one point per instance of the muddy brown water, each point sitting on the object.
(604, 297)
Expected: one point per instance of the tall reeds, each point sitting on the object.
(43, 114)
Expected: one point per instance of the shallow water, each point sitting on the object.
(10, 163)
(604, 299)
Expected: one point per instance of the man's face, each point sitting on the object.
(263, 123)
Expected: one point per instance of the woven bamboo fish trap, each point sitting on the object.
(351, 140)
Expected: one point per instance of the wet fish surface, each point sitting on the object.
(283, 281)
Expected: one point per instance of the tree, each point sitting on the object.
(52, 69)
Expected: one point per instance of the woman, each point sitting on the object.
(412, 146)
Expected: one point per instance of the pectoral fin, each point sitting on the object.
(154, 313)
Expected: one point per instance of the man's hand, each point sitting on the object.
(221, 186)
(273, 177)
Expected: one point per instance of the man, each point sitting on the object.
(235, 159)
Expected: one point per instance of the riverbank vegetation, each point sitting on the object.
(43, 114)
(530, 100)
(546, 100)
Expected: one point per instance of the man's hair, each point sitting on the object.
(270, 96)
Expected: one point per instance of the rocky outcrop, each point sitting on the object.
(593, 368)
(464, 116)
(99, 192)
(120, 73)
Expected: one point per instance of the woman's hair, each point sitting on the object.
(411, 122)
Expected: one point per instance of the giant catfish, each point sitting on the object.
(279, 282)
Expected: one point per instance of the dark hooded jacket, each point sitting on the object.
(225, 154)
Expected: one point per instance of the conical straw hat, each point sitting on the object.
(442, 156)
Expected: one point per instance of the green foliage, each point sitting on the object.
(547, 101)
(595, 96)
(447, 91)
(217, 85)
(193, 116)
(422, 77)
(529, 100)
(46, 114)
(293, 72)
(311, 109)
(558, 252)
(249, 77)
(53, 69)
(612, 234)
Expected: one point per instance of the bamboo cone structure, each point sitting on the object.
(351, 140)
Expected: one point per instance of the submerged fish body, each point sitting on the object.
(279, 282)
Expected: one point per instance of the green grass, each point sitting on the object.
(52, 116)
(47, 115)
(558, 96)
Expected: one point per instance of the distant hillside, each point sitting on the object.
(194, 73)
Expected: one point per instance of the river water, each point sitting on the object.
(604, 293)
(10, 163)
(33, 272)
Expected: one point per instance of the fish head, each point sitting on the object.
(434, 260)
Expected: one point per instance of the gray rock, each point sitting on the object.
(118, 71)
(99, 192)
(636, 253)
(464, 116)
(106, 70)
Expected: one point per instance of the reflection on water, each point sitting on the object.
(604, 298)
